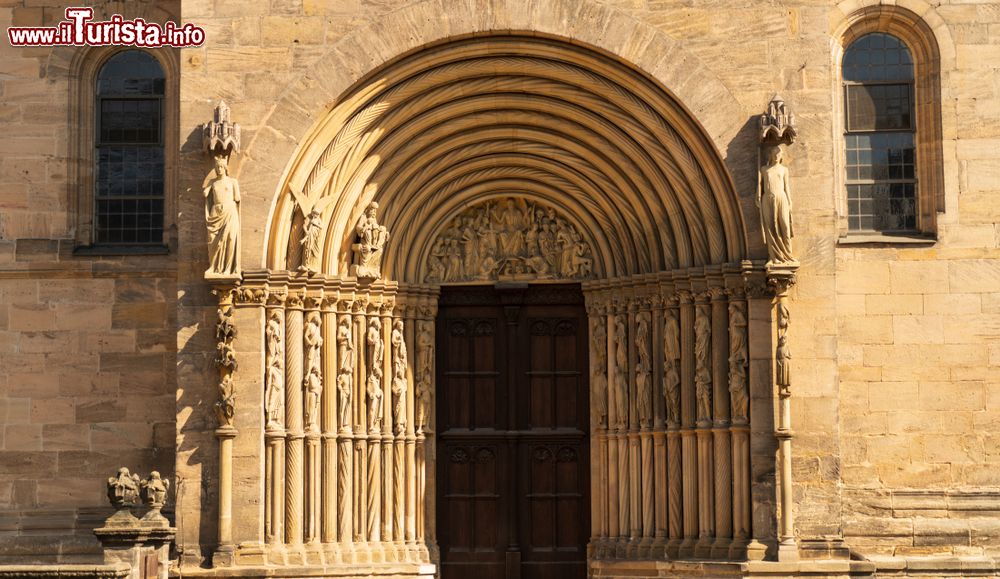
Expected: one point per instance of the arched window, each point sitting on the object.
(880, 135)
(129, 151)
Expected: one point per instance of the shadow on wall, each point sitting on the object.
(197, 449)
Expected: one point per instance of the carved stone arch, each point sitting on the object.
(490, 116)
(323, 98)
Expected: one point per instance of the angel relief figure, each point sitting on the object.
(312, 229)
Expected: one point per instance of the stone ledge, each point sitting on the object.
(114, 571)
(806, 568)
(936, 566)
(395, 570)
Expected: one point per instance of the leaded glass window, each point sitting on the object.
(880, 135)
(129, 194)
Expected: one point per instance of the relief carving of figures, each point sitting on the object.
(398, 377)
(374, 390)
(782, 355)
(671, 374)
(345, 372)
(643, 370)
(507, 239)
(274, 378)
(703, 361)
(222, 218)
(372, 238)
(621, 374)
(425, 365)
(738, 361)
(225, 360)
(312, 228)
(599, 368)
(775, 202)
(312, 336)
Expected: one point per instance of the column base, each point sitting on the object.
(224, 556)
(788, 551)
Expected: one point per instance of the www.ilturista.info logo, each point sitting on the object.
(79, 30)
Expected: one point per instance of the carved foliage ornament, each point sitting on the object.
(509, 239)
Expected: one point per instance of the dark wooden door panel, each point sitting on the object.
(512, 424)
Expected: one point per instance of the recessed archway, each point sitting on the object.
(556, 123)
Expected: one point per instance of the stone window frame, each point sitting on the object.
(915, 33)
(84, 68)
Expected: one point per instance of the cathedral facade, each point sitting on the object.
(502, 288)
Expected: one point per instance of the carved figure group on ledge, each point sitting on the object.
(509, 239)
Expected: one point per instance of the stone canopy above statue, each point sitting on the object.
(509, 239)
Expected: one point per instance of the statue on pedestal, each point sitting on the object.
(222, 217)
(368, 250)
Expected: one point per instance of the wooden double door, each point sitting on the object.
(513, 448)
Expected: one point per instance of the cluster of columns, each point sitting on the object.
(347, 398)
(671, 423)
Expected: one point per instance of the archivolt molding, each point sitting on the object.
(502, 116)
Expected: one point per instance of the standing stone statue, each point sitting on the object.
(368, 250)
(425, 365)
(738, 362)
(775, 203)
(374, 391)
(599, 372)
(275, 376)
(222, 217)
(643, 370)
(703, 356)
(398, 377)
(671, 374)
(621, 374)
(345, 375)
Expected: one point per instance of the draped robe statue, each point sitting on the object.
(775, 202)
(222, 217)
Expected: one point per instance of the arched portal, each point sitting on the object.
(559, 124)
(504, 158)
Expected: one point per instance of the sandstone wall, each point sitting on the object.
(87, 344)
(896, 348)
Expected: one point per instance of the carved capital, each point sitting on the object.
(251, 295)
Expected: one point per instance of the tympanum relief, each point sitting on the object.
(509, 239)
